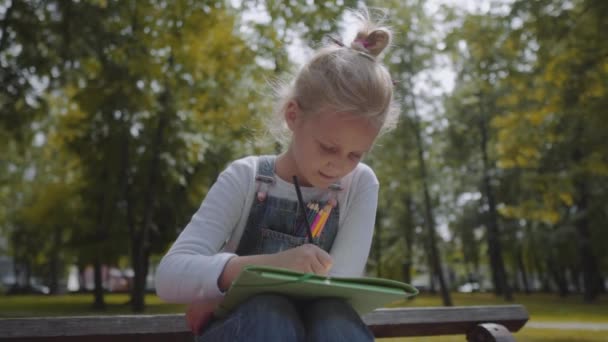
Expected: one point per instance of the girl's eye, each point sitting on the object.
(354, 156)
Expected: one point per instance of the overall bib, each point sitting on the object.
(276, 224)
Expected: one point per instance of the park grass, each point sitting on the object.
(524, 335)
(78, 305)
(542, 307)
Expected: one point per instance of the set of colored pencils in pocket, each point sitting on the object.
(318, 217)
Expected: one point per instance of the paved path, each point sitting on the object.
(568, 325)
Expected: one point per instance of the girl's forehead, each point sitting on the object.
(346, 120)
(353, 131)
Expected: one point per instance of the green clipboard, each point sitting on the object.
(364, 294)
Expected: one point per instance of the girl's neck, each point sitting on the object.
(285, 167)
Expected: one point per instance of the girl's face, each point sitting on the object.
(327, 146)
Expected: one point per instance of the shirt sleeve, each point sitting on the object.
(190, 270)
(353, 242)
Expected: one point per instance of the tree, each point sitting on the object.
(563, 140)
(152, 140)
(409, 58)
(481, 63)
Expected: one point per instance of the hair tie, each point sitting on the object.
(363, 42)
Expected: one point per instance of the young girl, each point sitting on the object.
(338, 104)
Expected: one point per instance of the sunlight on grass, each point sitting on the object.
(525, 335)
(78, 304)
(541, 307)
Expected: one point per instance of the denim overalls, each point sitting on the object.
(276, 224)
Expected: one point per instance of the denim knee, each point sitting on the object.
(264, 317)
(335, 320)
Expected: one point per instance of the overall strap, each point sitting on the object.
(264, 177)
(334, 189)
(265, 166)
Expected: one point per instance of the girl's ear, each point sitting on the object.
(292, 112)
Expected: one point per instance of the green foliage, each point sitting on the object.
(400, 236)
(140, 105)
(116, 117)
(537, 75)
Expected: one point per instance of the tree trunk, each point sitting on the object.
(28, 274)
(99, 303)
(587, 257)
(575, 278)
(559, 278)
(55, 262)
(81, 278)
(140, 268)
(100, 234)
(406, 269)
(541, 272)
(428, 211)
(141, 242)
(522, 271)
(430, 224)
(499, 276)
(432, 280)
(16, 256)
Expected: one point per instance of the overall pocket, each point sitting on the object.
(271, 241)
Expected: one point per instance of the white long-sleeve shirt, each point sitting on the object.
(190, 270)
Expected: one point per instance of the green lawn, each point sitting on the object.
(525, 335)
(542, 307)
(77, 304)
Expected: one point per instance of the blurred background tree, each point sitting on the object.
(117, 116)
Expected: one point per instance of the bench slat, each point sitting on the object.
(157, 337)
(432, 321)
(398, 322)
(92, 325)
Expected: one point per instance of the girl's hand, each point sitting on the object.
(199, 314)
(306, 258)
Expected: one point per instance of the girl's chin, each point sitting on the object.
(325, 179)
(316, 182)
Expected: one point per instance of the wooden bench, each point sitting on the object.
(477, 323)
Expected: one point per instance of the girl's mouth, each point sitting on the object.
(326, 177)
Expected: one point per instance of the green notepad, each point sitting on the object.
(364, 294)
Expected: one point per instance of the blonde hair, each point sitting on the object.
(345, 79)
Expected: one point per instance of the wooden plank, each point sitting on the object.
(396, 322)
(432, 321)
(92, 325)
(156, 337)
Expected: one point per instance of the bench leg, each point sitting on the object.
(490, 332)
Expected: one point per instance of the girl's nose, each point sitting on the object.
(335, 165)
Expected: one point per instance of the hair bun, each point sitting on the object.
(373, 43)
